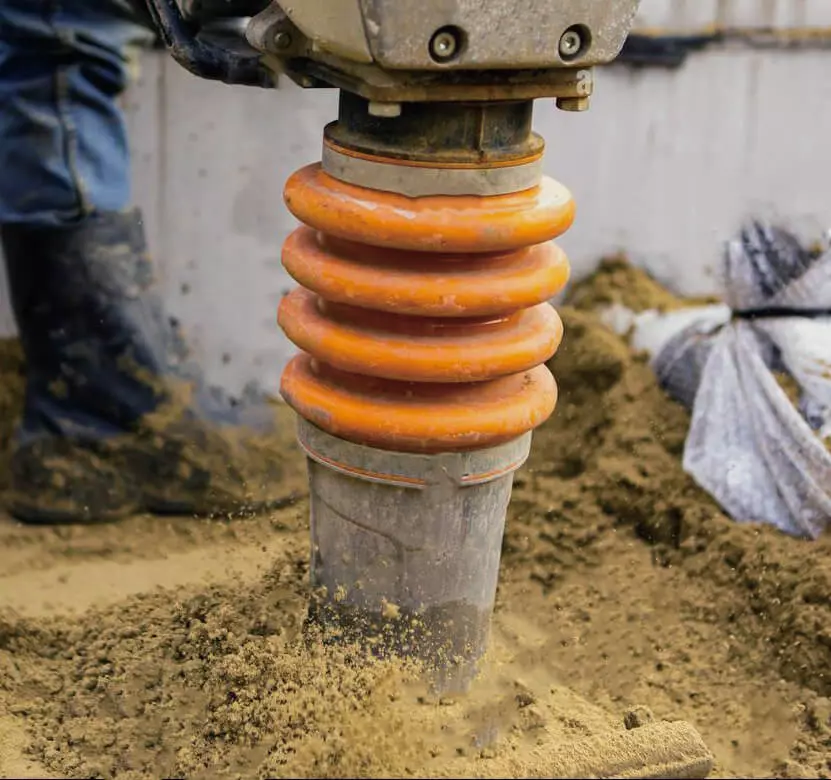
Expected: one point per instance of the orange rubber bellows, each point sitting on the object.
(423, 321)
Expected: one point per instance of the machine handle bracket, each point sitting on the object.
(241, 64)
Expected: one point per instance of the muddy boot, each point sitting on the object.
(116, 420)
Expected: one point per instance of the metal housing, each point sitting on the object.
(491, 34)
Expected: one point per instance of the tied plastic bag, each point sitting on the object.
(762, 458)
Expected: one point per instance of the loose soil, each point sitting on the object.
(173, 647)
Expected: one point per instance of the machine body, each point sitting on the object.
(425, 262)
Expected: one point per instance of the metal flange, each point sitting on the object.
(419, 179)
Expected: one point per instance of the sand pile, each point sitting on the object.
(221, 683)
(617, 441)
(622, 585)
(616, 281)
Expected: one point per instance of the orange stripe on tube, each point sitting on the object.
(421, 350)
(424, 284)
(438, 418)
(440, 223)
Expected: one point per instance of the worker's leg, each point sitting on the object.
(63, 144)
(101, 354)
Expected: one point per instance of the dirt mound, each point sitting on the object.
(622, 584)
(616, 442)
(223, 683)
(616, 281)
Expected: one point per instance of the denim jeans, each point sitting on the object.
(63, 141)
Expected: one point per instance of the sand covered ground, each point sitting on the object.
(173, 646)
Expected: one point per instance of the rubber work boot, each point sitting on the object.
(116, 420)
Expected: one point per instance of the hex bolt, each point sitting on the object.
(573, 103)
(384, 110)
(570, 44)
(282, 40)
(444, 45)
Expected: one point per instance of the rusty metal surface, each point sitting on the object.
(435, 148)
(372, 83)
(477, 134)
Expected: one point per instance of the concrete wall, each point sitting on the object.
(665, 166)
(686, 15)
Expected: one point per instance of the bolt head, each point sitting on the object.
(570, 43)
(444, 45)
(573, 103)
(384, 110)
(282, 40)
